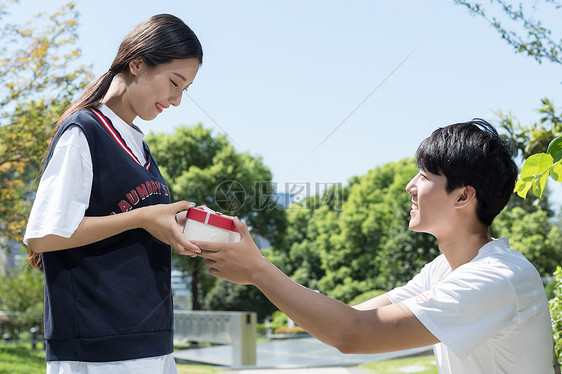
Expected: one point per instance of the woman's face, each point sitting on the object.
(154, 89)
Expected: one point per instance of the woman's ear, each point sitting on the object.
(466, 195)
(136, 65)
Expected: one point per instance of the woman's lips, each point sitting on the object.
(160, 107)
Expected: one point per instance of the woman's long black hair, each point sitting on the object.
(158, 40)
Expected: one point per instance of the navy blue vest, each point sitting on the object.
(111, 300)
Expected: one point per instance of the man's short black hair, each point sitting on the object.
(472, 154)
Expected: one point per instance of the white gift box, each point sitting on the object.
(207, 225)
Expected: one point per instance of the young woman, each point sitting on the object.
(102, 224)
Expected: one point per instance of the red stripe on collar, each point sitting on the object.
(117, 138)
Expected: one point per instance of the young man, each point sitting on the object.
(481, 304)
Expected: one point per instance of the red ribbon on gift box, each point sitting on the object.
(206, 215)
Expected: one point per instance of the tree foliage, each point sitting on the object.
(530, 142)
(372, 247)
(37, 82)
(234, 297)
(533, 234)
(556, 311)
(205, 169)
(533, 138)
(21, 291)
(356, 239)
(517, 25)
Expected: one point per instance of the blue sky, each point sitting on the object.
(280, 76)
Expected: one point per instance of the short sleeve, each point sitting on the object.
(466, 308)
(422, 281)
(64, 191)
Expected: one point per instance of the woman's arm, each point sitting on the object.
(159, 220)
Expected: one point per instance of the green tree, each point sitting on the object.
(533, 234)
(311, 226)
(304, 259)
(37, 82)
(535, 137)
(206, 169)
(374, 248)
(21, 291)
(356, 239)
(234, 297)
(556, 311)
(517, 25)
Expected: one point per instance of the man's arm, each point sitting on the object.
(388, 327)
(374, 303)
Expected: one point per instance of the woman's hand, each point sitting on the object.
(234, 262)
(165, 222)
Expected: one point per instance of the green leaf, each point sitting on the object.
(539, 185)
(535, 166)
(556, 172)
(522, 188)
(555, 149)
(534, 174)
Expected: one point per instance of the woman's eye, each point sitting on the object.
(174, 83)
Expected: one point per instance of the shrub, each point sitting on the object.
(289, 330)
(556, 310)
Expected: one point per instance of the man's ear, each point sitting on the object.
(465, 196)
(136, 65)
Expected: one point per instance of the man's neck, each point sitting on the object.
(461, 247)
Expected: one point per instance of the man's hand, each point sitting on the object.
(234, 262)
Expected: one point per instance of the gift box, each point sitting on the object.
(207, 225)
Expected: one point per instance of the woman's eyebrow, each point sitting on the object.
(179, 75)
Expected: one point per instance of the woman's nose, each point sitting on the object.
(175, 99)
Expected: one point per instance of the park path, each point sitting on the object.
(292, 356)
(324, 370)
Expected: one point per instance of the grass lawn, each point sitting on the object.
(197, 369)
(20, 359)
(403, 365)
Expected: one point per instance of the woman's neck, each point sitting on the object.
(116, 100)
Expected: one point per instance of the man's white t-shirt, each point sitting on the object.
(490, 315)
(59, 207)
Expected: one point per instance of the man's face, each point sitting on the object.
(432, 207)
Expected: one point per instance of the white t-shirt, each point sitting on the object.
(59, 207)
(64, 190)
(491, 315)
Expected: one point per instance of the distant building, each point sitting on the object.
(182, 295)
(10, 255)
